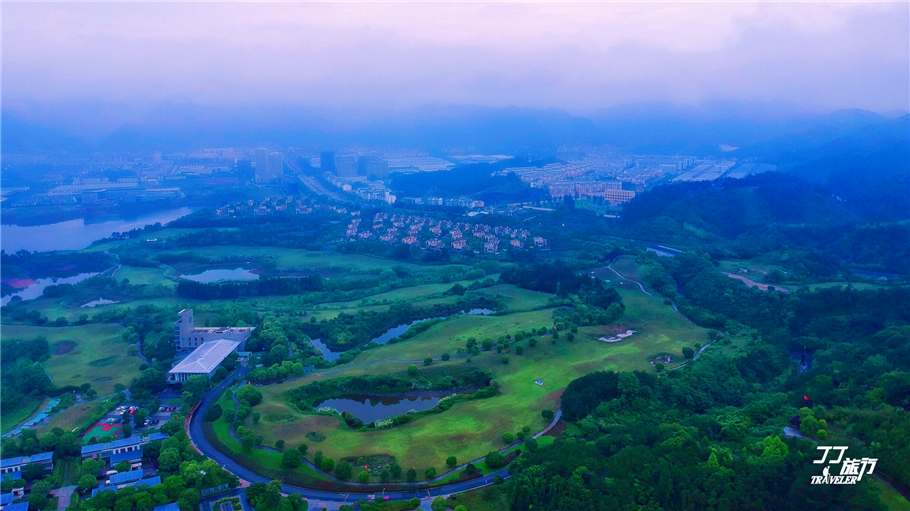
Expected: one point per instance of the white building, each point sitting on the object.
(203, 360)
(187, 335)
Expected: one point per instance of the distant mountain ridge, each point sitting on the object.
(645, 128)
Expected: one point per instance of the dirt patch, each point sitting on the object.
(752, 283)
(315, 436)
(102, 362)
(18, 283)
(64, 347)
(557, 430)
(615, 329)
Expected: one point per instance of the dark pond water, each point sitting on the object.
(391, 333)
(370, 408)
(77, 234)
(36, 289)
(221, 275)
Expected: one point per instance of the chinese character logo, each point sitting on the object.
(851, 470)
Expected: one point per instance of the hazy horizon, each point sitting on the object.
(130, 57)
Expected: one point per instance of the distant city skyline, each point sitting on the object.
(577, 57)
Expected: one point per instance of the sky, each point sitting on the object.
(580, 57)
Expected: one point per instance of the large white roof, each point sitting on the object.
(206, 358)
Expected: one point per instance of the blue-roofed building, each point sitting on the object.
(155, 436)
(124, 479)
(173, 506)
(150, 481)
(134, 458)
(6, 499)
(103, 487)
(18, 506)
(12, 467)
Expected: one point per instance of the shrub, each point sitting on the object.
(504, 359)
(363, 476)
(446, 357)
(290, 458)
(412, 370)
(327, 464)
(430, 473)
(427, 361)
(507, 438)
(470, 469)
(547, 415)
(494, 459)
(451, 461)
(688, 352)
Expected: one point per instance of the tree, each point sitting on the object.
(123, 466)
(531, 445)
(169, 460)
(430, 473)
(532, 342)
(33, 471)
(439, 504)
(395, 469)
(507, 437)
(519, 350)
(494, 459)
(140, 416)
(303, 448)
(548, 415)
(363, 476)
(384, 476)
(38, 496)
(412, 475)
(279, 444)
(659, 367)
(327, 464)
(343, 470)
(427, 361)
(446, 357)
(688, 352)
(412, 370)
(459, 507)
(86, 483)
(470, 469)
(451, 461)
(504, 359)
(290, 458)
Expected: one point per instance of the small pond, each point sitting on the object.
(100, 301)
(210, 276)
(37, 289)
(370, 408)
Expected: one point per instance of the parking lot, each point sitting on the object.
(154, 419)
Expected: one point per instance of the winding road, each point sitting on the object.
(202, 444)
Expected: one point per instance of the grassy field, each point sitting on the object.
(517, 299)
(288, 258)
(93, 354)
(29, 406)
(72, 417)
(472, 429)
(144, 276)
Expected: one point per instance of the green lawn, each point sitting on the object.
(471, 429)
(144, 276)
(93, 354)
(29, 406)
(72, 417)
(517, 299)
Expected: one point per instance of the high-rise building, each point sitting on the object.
(260, 157)
(327, 161)
(372, 166)
(276, 165)
(346, 166)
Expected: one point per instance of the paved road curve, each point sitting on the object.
(205, 447)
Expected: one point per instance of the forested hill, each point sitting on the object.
(765, 213)
(867, 165)
(732, 207)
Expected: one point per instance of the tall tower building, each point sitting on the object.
(276, 165)
(260, 157)
(327, 161)
(346, 166)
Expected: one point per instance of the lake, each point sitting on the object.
(37, 289)
(221, 275)
(371, 408)
(77, 234)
